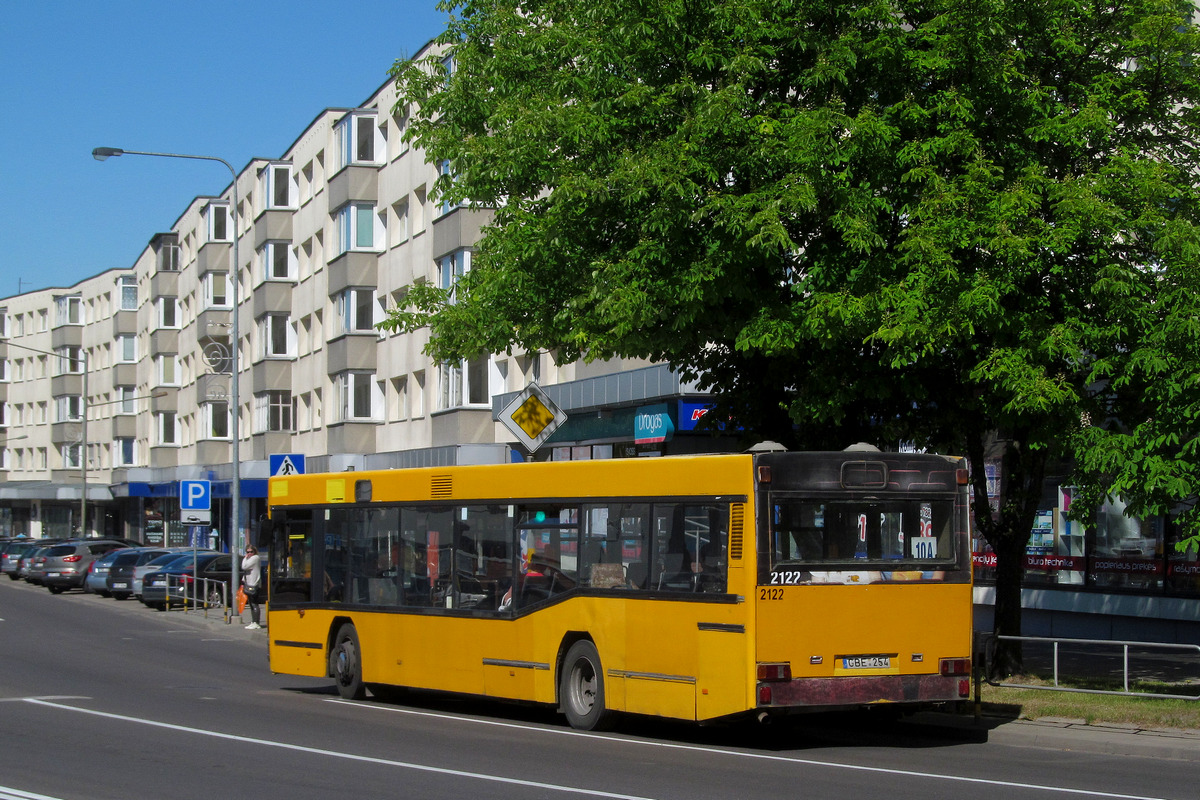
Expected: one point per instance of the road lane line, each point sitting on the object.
(16, 794)
(347, 756)
(758, 756)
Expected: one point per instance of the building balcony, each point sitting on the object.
(164, 284)
(352, 437)
(272, 226)
(354, 183)
(164, 340)
(271, 297)
(66, 336)
(353, 269)
(71, 383)
(352, 352)
(213, 257)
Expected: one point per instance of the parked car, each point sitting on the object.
(205, 579)
(32, 565)
(11, 564)
(154, 565)
(118, 581)
(66, 564)
(97, 576)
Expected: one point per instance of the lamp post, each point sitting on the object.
(235, 491)
(83, 429)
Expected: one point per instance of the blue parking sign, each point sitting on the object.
(195, 495)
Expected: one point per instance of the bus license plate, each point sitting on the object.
(866, 662)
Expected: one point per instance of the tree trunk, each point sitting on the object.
(1010, 571)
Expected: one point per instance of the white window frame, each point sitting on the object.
(71, 453)
(167, 375)
(68, 310)
(349, 227)
(121, 458)
(354, 133)
(125, 397)
(69, 361)
(215, 420)
(168, 312)
(127, 291)
(451, 268)
(211, 298)
(356, 391)
(269, 257)
(464, 384)
(270, 328)
(127, 348)
(277, 177)
(166, 425)
(274, 411)
(68, 408)
(217, 216)
(3, 370)
(445, 176)
(170, 257)
(350, 305)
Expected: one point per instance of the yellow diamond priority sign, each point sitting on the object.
(532, 416)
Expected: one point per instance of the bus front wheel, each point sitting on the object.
(581, 689)
(345, 664)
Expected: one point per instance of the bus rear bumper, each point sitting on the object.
(865, 690)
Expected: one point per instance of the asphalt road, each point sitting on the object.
(101, 699)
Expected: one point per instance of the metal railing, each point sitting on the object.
(200, 593)
(991, 640)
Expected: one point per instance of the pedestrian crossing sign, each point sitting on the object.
(284, 464)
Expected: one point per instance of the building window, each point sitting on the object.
(68, 408)
(127, 288)
(168, 427)
(358, 396)
(446, 177)
(125, 452)
(3, 323)
(3, 370)
(168, 312)
(463, 383)
(216, 290)
(70, 360)
(215, 420)
(169, 257)
(356, 311)
(70, 453)
(125, 400)
(68, 310)
(278, 261)
(218, 222)
(168, 370)
(358, 229)
(127, 350)
(354, 138)
(274, 411)
(451, 268)
(277, 335)
(277, 186)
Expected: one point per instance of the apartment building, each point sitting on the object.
(329, 235)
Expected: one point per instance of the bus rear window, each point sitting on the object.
(811, 537)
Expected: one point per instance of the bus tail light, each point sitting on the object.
(962, 477)
(775, 672)
(764, 695)
(954, 666)
(964, 688)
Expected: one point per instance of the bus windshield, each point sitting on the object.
(810, 537)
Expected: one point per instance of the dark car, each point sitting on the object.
(118, 582)
(66, 565)
(203, 580)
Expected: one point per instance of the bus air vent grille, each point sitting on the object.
(737, 514)
(442, 486)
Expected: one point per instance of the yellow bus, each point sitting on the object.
(690, 587)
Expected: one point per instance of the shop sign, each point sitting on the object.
(653, 424)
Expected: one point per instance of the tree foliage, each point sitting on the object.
(971, 225)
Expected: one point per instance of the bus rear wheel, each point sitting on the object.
(581, 689)
(345, 664)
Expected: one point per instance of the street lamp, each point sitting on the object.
(83, 430)
(102, 153)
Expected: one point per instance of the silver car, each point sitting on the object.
(67, 564)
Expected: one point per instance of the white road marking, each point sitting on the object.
(759, 756)
(16, 794)
(335, 754)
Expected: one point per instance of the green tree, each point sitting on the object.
(969, 224)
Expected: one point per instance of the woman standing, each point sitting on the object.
(251, 578)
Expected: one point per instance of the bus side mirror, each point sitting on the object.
(266, 532)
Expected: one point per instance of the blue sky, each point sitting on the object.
(168, 77)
